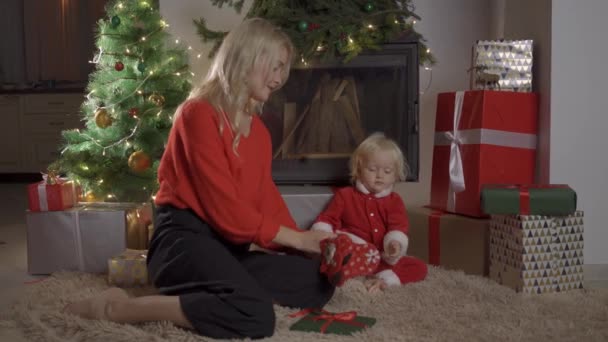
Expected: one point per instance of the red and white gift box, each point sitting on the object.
(52, 194)
(481, 137)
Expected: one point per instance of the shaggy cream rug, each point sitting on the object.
(448, 306)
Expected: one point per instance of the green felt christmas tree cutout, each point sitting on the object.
(342, 323)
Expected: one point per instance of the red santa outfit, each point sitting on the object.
(377, 219)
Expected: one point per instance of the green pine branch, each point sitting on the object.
(331, 29)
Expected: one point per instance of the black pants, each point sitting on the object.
(225, 290)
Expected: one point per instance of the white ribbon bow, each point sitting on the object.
(456, 170)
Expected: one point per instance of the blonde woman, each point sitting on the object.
(216, 198)
(369, 213)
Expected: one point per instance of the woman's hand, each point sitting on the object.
(310, 240)
(306, 241)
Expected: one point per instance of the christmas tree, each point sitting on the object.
(139, 80)
(331, 29)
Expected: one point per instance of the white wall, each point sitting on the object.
(535, 23)
(451, 28)
(579, 119)
(179, 14)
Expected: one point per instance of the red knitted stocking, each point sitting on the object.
(342, 259)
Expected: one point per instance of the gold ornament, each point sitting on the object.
(139, 161)
(102, 118)
(157, 99)
(90, 197)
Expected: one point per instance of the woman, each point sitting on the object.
(216, 199)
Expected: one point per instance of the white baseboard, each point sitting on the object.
(596, 272)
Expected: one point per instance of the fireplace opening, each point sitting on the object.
(326, 109)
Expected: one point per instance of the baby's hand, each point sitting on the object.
(394, 249)
(375, 284)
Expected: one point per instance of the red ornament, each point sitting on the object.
(313, 26)
(133, 112)
(119, 66)
(343, 36)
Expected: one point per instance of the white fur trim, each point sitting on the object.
(389, 277)
(395, 235)
(381, 194)
(354, 238)
(322, 226)
(361, 187)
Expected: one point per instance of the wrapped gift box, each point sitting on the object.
(342, 323)
(537, 254)
(532, 199)
(54, 195)
(478, 136)
(83, 238)
(451, 241)
(128, 269)
(305, 203)
(502, 65)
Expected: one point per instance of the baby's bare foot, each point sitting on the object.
(97, 307)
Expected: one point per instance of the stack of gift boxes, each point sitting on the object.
(66, 235)
(485, 143)
(536, 237)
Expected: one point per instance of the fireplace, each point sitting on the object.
(325, 110)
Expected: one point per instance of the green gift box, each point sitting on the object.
(342, 323)
(531, 199)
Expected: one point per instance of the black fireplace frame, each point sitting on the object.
(335, 171)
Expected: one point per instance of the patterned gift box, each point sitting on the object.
(502, 65)
(537, 254)
(83, 238)
(478, 135)
(128, 269)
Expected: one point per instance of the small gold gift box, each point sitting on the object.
(128, 269)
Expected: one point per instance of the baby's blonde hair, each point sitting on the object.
(377, 142)
(254, 42)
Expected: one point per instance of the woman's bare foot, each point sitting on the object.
(97, 307)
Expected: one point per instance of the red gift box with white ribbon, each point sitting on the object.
(52, 194)
(481, 137)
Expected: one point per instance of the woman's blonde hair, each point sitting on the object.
(377, 142)
(255, 42)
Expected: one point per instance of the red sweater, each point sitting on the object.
(235, 194)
